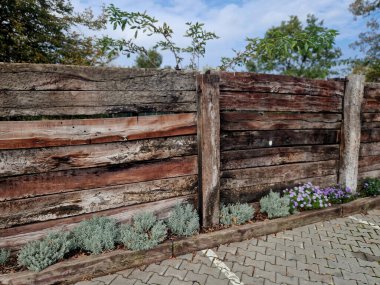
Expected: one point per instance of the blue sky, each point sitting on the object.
(232, 21)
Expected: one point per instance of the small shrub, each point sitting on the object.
(145, 232)
(338, 194)
(37, 255)
(97, 234)
(275, 206)
(236, 214)
(4, 255)
(184, 220)
(306, 197)
(371, 187)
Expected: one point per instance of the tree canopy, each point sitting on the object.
(43, 31)
(150, 60)
(292, 49)
(369, 41)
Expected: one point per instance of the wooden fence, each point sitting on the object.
(79, 141)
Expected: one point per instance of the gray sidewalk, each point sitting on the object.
(342, 251)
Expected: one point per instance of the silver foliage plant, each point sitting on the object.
(37, 255)
(236, 214)
(184, 220)
(274, 205)
(145, 232)
(4, 255)
(97, 234)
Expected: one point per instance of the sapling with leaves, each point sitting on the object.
(142, 23)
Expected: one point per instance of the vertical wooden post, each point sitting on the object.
(351, 129)
(208, 148)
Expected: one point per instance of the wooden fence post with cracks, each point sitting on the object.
(208, 148)
(351, 131)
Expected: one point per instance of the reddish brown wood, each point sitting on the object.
(369, 149)
(246, 81)
(41, 208)
(37, 160)
(371, 105)
(279, 102)
(208, 148)
(246, 121)
(74, 132)
(257, 139)
(371, 90)
(369, 163)
(79, 179)
(236, 159)
(370, 135)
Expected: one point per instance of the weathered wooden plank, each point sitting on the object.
(61, 77)
(37, 160)
(44, 133)
(247, 81)
(17, 236)
(369, 163)
(257, 139)
(68, 204)
(279, 102)
(246, 121)
(241, 193)
(79, 179)
(370, 120)
(208, 148)
(371, 90)
(59, 103)
(236, 159)
(370, 135)
(369, 149)
(371, 105)
(365, 174)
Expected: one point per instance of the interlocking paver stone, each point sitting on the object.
(341, 251)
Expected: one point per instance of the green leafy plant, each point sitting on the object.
(236, 214)
(371, 186)
(97, 234)
(145, 232)
(4, 255)
(38, 255)
(275, 205)
(184, 220)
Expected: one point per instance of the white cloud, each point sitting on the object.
(233, 21)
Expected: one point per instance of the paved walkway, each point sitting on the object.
(342, 251)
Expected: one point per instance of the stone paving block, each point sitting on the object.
(190, 266)
(334, 251)
(275, 268)
(285, 248)
(188, 256)
(141, 275)
(274, 239)
(209, 270)
(243, 269)
(139, 282)
(292, 272)
(120, 280)
(296, 257)
(285, 262)
(305, 251)
(227, 248)
(319, 261)
(329, 256)
(223, 276)
(158, 279)
(176, 281)
(334, 264)
(331, 271)
(235, 258)
(198, 258)
(371, 280)
(268, 258)
(157, 268)
(324, 278)
(173, 272)
(107, 279)
(194, 277)
(215, 281)
(246, 253)
(275, 252)
(266, 244)
(89, 282)
(257, 249)
(341, 281)
(242, 244)
(308, 266)
(289, 280)
(264, 274)
(353, 276)
(172, 262)
(296, 244)
(126, 272)
(255, 263)
(249, 280)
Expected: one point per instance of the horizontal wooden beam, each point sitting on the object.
(46, 133)
(61, 205)
(257, 139)
(247, 121)
(37, 160)
(248, 81)
(79, 179)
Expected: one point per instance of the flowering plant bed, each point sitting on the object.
(84, 267)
